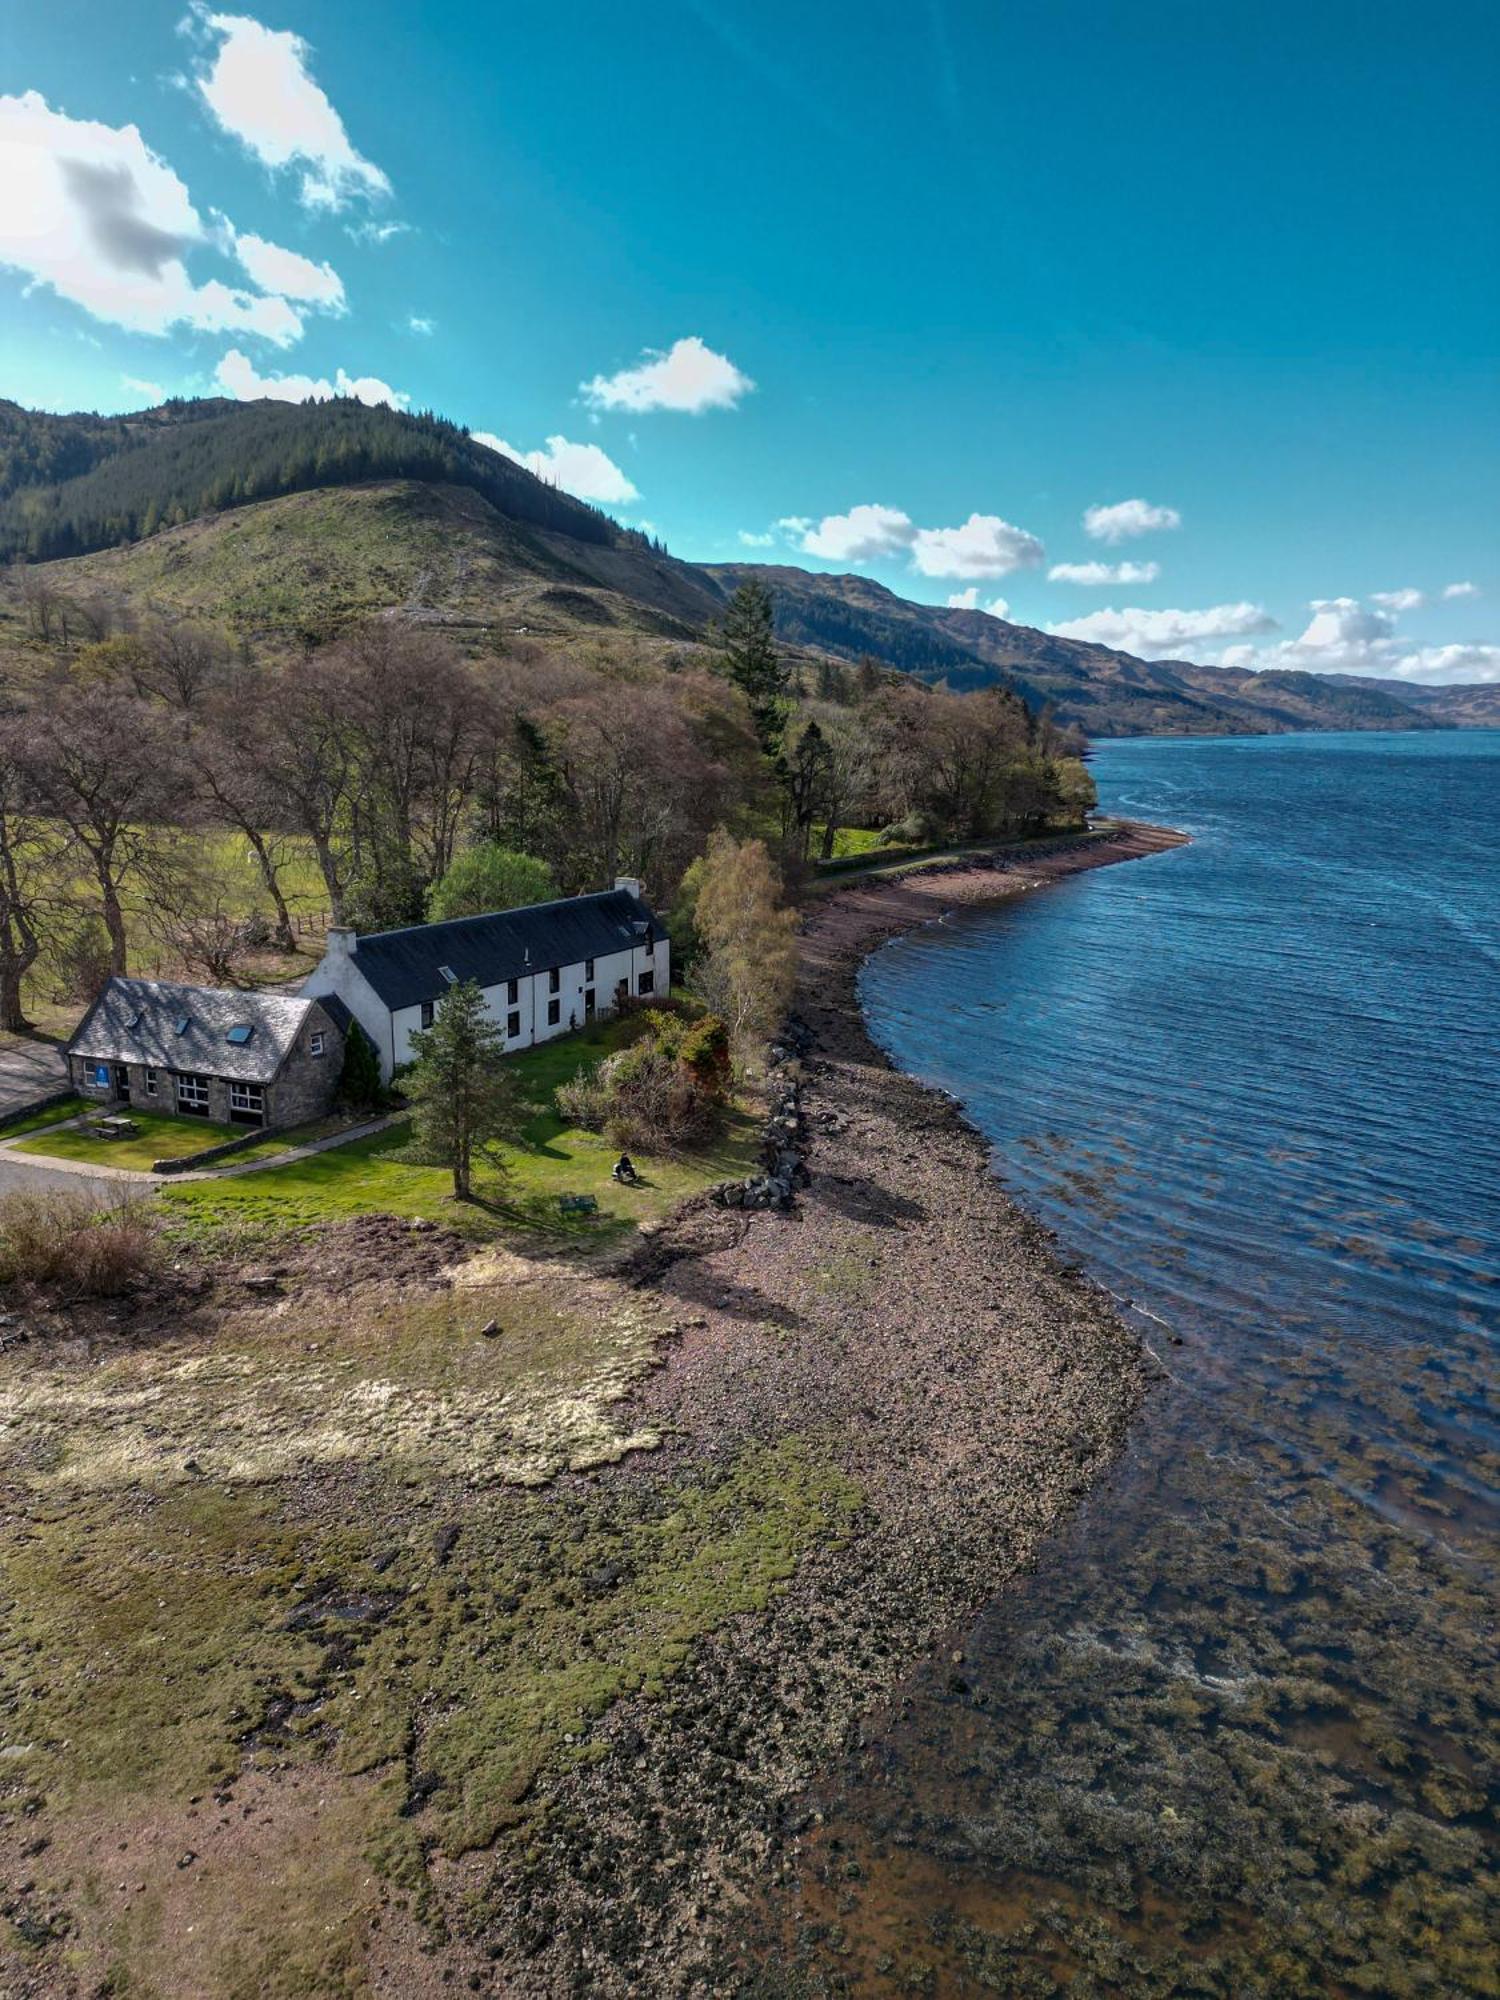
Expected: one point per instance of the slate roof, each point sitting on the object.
(135, 1020)
(404, 967)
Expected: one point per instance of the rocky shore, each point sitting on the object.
(908, 1328)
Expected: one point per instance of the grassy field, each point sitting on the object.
(36, 1121)
(372, 1176)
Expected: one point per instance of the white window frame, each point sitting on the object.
(194, 1098)
(149, 1077)
(315, 1042)
(248, 1097)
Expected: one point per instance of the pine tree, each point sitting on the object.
(748, 652)
(464, 1100)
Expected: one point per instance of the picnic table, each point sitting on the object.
(115, 1128)
(578, 1204)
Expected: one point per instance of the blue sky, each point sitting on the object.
(904, 288)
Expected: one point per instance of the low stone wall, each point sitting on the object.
(188, 1162)
(784, 1142)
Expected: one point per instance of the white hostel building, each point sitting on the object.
(544, 969)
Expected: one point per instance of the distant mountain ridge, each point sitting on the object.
(290, 519)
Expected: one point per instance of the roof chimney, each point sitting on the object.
(632, 885)
(341, 941)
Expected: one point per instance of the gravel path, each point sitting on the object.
(919, 1327)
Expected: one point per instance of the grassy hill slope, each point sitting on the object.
(288, 521)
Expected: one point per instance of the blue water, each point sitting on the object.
(1238, 1734)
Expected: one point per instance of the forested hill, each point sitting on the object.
(72, 484)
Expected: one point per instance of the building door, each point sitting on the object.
(622, 993)
(588, 1004)
(122, 1080)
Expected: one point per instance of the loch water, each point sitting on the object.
(1237, 1732)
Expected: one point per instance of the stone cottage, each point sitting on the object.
(256, 1059)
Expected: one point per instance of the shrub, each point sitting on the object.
(64, 1240)
(668, 1088)
(918, 829)
(489, 877)
(359, 1079)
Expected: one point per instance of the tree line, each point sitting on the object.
(423, 781)
(72, 484)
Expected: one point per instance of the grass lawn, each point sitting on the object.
(368, 1176)
(159, 1138)
(36, 1121)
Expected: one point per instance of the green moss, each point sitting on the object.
(503, 1660)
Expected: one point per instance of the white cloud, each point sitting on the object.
(689, 376)
(1161, 635)
(1453, 590)
(91, 211)
(984, 546)
(1102, 572)
(1341, 628)
(258, 87)
(794, 526)
(1397, 601)
(153, 392)
(289, 273)
(236, 376)
(1125, 519)
(864, 534)
(766, 541)
(968, 600)
(580, 469)
(416, 324)
(1467, 664)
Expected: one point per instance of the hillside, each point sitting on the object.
(1106, 692)
(288, 521)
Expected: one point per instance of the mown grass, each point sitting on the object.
(38, 1121)
(373, 1176)
(159, 1137)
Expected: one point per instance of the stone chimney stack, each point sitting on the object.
(340, 942)
(632, 885)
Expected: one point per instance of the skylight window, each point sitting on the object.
(239, 1034)
(180, 1025)
(449, 974)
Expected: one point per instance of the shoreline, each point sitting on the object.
(914, 1327)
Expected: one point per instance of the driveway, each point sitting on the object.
(37, 1174)
(28, 1070)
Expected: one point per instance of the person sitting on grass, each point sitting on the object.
(624, 1170)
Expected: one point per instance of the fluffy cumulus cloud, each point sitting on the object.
(1165, 635)
(580, 469)
(689, 376)
(237, 376)
(865, 534)
(1123, 520)
(1442, 665)
(1344, 636)
(968, 600)
(1454, 590)
(258, 86)
(1103, 572)
(1397, 601)
(91, 211)
(983, 546)
(294, 276)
